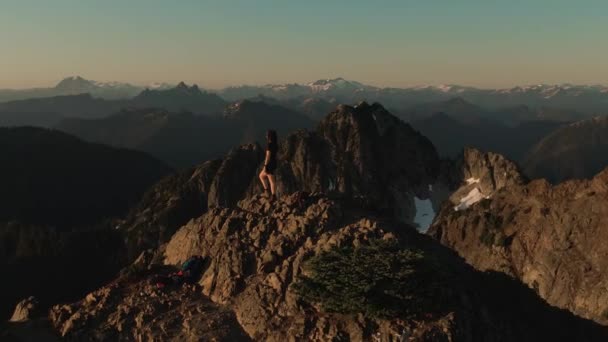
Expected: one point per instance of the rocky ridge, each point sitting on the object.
(478, 175)
(552, 238)
(256, 251)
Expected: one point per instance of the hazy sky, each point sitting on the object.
(487, 43)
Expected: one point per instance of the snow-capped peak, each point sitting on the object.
(160, 85)
(336, 84)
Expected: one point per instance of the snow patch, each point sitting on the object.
(424, 214)
(472, 180)
(471, 198)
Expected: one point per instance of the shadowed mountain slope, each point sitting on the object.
(579, 150)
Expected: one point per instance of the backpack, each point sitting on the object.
(192, 268)
(190, 272)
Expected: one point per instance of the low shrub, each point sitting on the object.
(380, 280)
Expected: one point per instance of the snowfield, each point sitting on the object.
(471, 198)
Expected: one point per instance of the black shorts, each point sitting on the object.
(270, 167)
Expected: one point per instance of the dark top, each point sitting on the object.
(272, 148)
(272, 160)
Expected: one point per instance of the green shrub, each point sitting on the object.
(380, 280)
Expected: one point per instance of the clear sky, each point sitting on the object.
(489, 43)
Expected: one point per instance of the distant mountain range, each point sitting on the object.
(75, 85)
(590, 99)
(587, 98)
(451, 135)
(184, 139)
(456, 123)
(180, 98)
(48, 111)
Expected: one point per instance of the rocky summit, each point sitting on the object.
(257, 254)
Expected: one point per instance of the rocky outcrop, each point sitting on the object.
(140, 312)
(477, 175)
(374, 151)
(180, 197)
(24, 310)
(493, 170)
(167, 206)
(552, 238)
(258, 250)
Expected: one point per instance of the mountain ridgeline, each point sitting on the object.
(184, 139)
(575, 151)
(49, 177)
(49, 111)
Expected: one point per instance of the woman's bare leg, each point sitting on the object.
(263, 176)
(272, 184)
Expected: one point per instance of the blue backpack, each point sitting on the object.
(190, 273)
(192, 268)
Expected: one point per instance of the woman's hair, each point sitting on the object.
(271, 136)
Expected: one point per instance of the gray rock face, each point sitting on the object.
(24, 310)
(552, 238)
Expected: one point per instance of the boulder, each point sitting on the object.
(24, 310)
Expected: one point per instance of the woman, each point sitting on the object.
(270, 163)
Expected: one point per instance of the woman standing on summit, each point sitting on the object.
(270, 163)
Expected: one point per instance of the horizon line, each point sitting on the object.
(426, 85)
